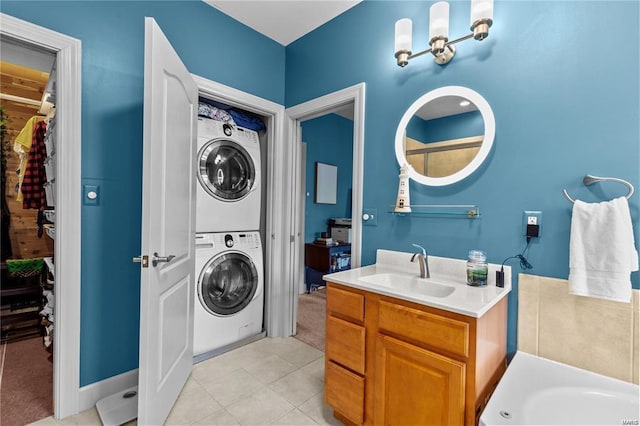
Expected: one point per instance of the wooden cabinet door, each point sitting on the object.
(415, 386)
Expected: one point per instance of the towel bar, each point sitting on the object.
(588, 180)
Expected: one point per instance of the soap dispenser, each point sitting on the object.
(403, 202)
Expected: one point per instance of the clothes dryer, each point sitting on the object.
(228, 197)
(229, 299)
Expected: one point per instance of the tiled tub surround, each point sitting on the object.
(593, 334)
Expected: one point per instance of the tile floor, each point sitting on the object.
(274, 381)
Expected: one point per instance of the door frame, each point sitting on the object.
(66, 350)
(276, 322)
(295, 115)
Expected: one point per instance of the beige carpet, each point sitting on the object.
(311, 318)
(26, 383)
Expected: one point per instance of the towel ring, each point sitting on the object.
(589, 180)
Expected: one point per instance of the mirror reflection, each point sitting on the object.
(443, 136)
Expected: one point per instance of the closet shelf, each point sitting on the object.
(464, 211)
(20, 290)
(20, 317)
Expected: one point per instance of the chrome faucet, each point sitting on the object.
(423, 261)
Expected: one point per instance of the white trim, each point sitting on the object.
(66, 368)
(489, 133)
(276, 318)
(296, 265)
(311, 109)
(300, 280)
(90, 394)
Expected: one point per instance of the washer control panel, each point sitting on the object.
(213, 129)
(237, 240)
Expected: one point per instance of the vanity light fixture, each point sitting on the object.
(441, 48)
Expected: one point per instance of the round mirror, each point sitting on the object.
(445, 135)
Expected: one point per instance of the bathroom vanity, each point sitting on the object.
(407, 350)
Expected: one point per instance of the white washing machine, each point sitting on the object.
(228, 197)
(229, 302)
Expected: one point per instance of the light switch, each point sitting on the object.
(370, 217)
(90, 195)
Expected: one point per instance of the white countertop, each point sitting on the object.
(465, 299)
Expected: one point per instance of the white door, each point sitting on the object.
(168, 228)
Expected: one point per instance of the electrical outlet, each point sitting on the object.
(531, 223)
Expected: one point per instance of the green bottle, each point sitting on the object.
(477, 268)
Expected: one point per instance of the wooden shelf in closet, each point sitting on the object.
(26, 296)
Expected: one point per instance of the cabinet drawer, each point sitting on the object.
(345, 343)
(446, 333)
(345, 304)
(344, 392)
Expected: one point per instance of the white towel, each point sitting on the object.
(602, 253)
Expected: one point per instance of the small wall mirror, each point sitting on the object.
(445, 135)
(326, 183)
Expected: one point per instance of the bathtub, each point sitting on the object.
(537, 391)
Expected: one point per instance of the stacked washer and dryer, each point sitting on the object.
(229, 302)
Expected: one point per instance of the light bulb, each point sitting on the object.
(404, 27)
(481, 10)
(439, 20)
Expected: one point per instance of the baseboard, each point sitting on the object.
(230, 347)
(90, 394)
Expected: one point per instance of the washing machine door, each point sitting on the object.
(226, 170)
(228, 283)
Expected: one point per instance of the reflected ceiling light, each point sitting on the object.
(441, 48)
(465, 103)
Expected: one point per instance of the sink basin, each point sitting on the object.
(423, 286)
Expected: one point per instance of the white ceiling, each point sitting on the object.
(26, 55)
(283, 20)
(444, 106)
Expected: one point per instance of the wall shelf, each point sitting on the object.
(462, 211)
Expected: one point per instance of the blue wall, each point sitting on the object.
(561, 112)
(329, 140)
(211, 45)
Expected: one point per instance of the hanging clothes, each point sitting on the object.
(22, 145)
(6, 252)
(35, 177)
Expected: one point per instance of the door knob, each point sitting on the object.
(157, 259)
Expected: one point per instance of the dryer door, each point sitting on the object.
(228, 283)
(226, 170)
